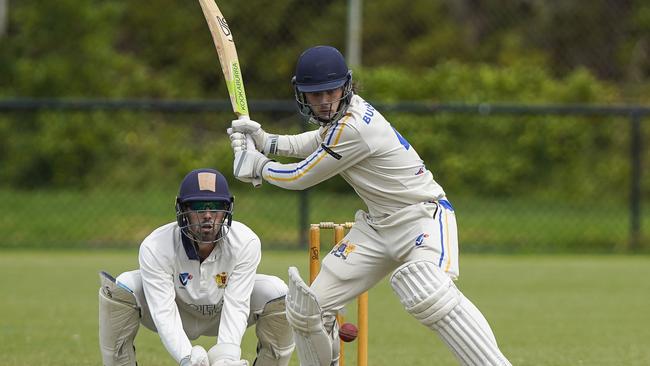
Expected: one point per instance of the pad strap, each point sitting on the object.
(427, 294)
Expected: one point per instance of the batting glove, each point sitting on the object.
(198, 357)
(248, 165)
(238, 141)
(263, 141)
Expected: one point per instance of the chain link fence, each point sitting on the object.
(512, 105)
(561, 190)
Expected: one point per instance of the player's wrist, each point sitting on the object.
(270, 144)
(261, 163)
(260, 138)
(224, 351)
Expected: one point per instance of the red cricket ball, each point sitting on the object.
(348, 332)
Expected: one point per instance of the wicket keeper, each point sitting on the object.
(197, 277)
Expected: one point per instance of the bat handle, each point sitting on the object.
(250, 145)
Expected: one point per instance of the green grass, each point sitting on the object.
(117, 218)
(545, 310)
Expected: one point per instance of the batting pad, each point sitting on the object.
(431, 297)
(304, 314)
(274, 335)
(119, 320)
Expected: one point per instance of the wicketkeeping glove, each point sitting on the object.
(230, 363)
(198, 357)
(226, 355)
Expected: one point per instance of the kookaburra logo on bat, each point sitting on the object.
(224, 27)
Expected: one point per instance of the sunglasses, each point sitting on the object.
(208, 205)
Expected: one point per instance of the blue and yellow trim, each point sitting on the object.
(444, 236)
(317, 157)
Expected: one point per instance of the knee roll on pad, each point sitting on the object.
(432, 298)
(425, 291)
(267, 289)
(304, 315)
(274, 335)
(119, 320)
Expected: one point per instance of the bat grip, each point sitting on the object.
(250, 144)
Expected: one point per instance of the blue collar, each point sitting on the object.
(191, 251)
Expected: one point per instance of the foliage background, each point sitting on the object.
(457, 52)
(528, 183)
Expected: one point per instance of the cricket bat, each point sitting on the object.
(227, 52)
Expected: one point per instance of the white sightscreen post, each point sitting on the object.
(353, 42)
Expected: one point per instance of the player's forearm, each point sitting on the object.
(296, 176)
(160, 295)
(236, 299)
(232, 326)
(297, 146)
(165, 315)
(173, 337)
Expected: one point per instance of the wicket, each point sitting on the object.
(362, 306)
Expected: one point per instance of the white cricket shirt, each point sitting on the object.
(382, 167)
(173, 278)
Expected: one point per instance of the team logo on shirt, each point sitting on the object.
(184, 278)
(420, 239)
(221, 279)
(343, 249)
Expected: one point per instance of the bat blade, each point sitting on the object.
(225, 45)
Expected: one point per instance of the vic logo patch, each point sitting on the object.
(184, 278)
(343, 250)
(420, 239)
(221, 279)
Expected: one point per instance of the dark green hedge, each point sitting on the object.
(486, 155)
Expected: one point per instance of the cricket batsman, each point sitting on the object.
(197, 277)
(409, 230)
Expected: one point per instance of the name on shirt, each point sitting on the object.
(369, 113)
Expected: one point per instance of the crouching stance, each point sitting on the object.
(197, 277)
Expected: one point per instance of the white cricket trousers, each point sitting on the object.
(266, 288)
(374, 248)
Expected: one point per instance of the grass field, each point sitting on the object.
(119, 218)
(545, 310)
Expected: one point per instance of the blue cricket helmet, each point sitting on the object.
(203, 185)
(318, 69)
(321, 68)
